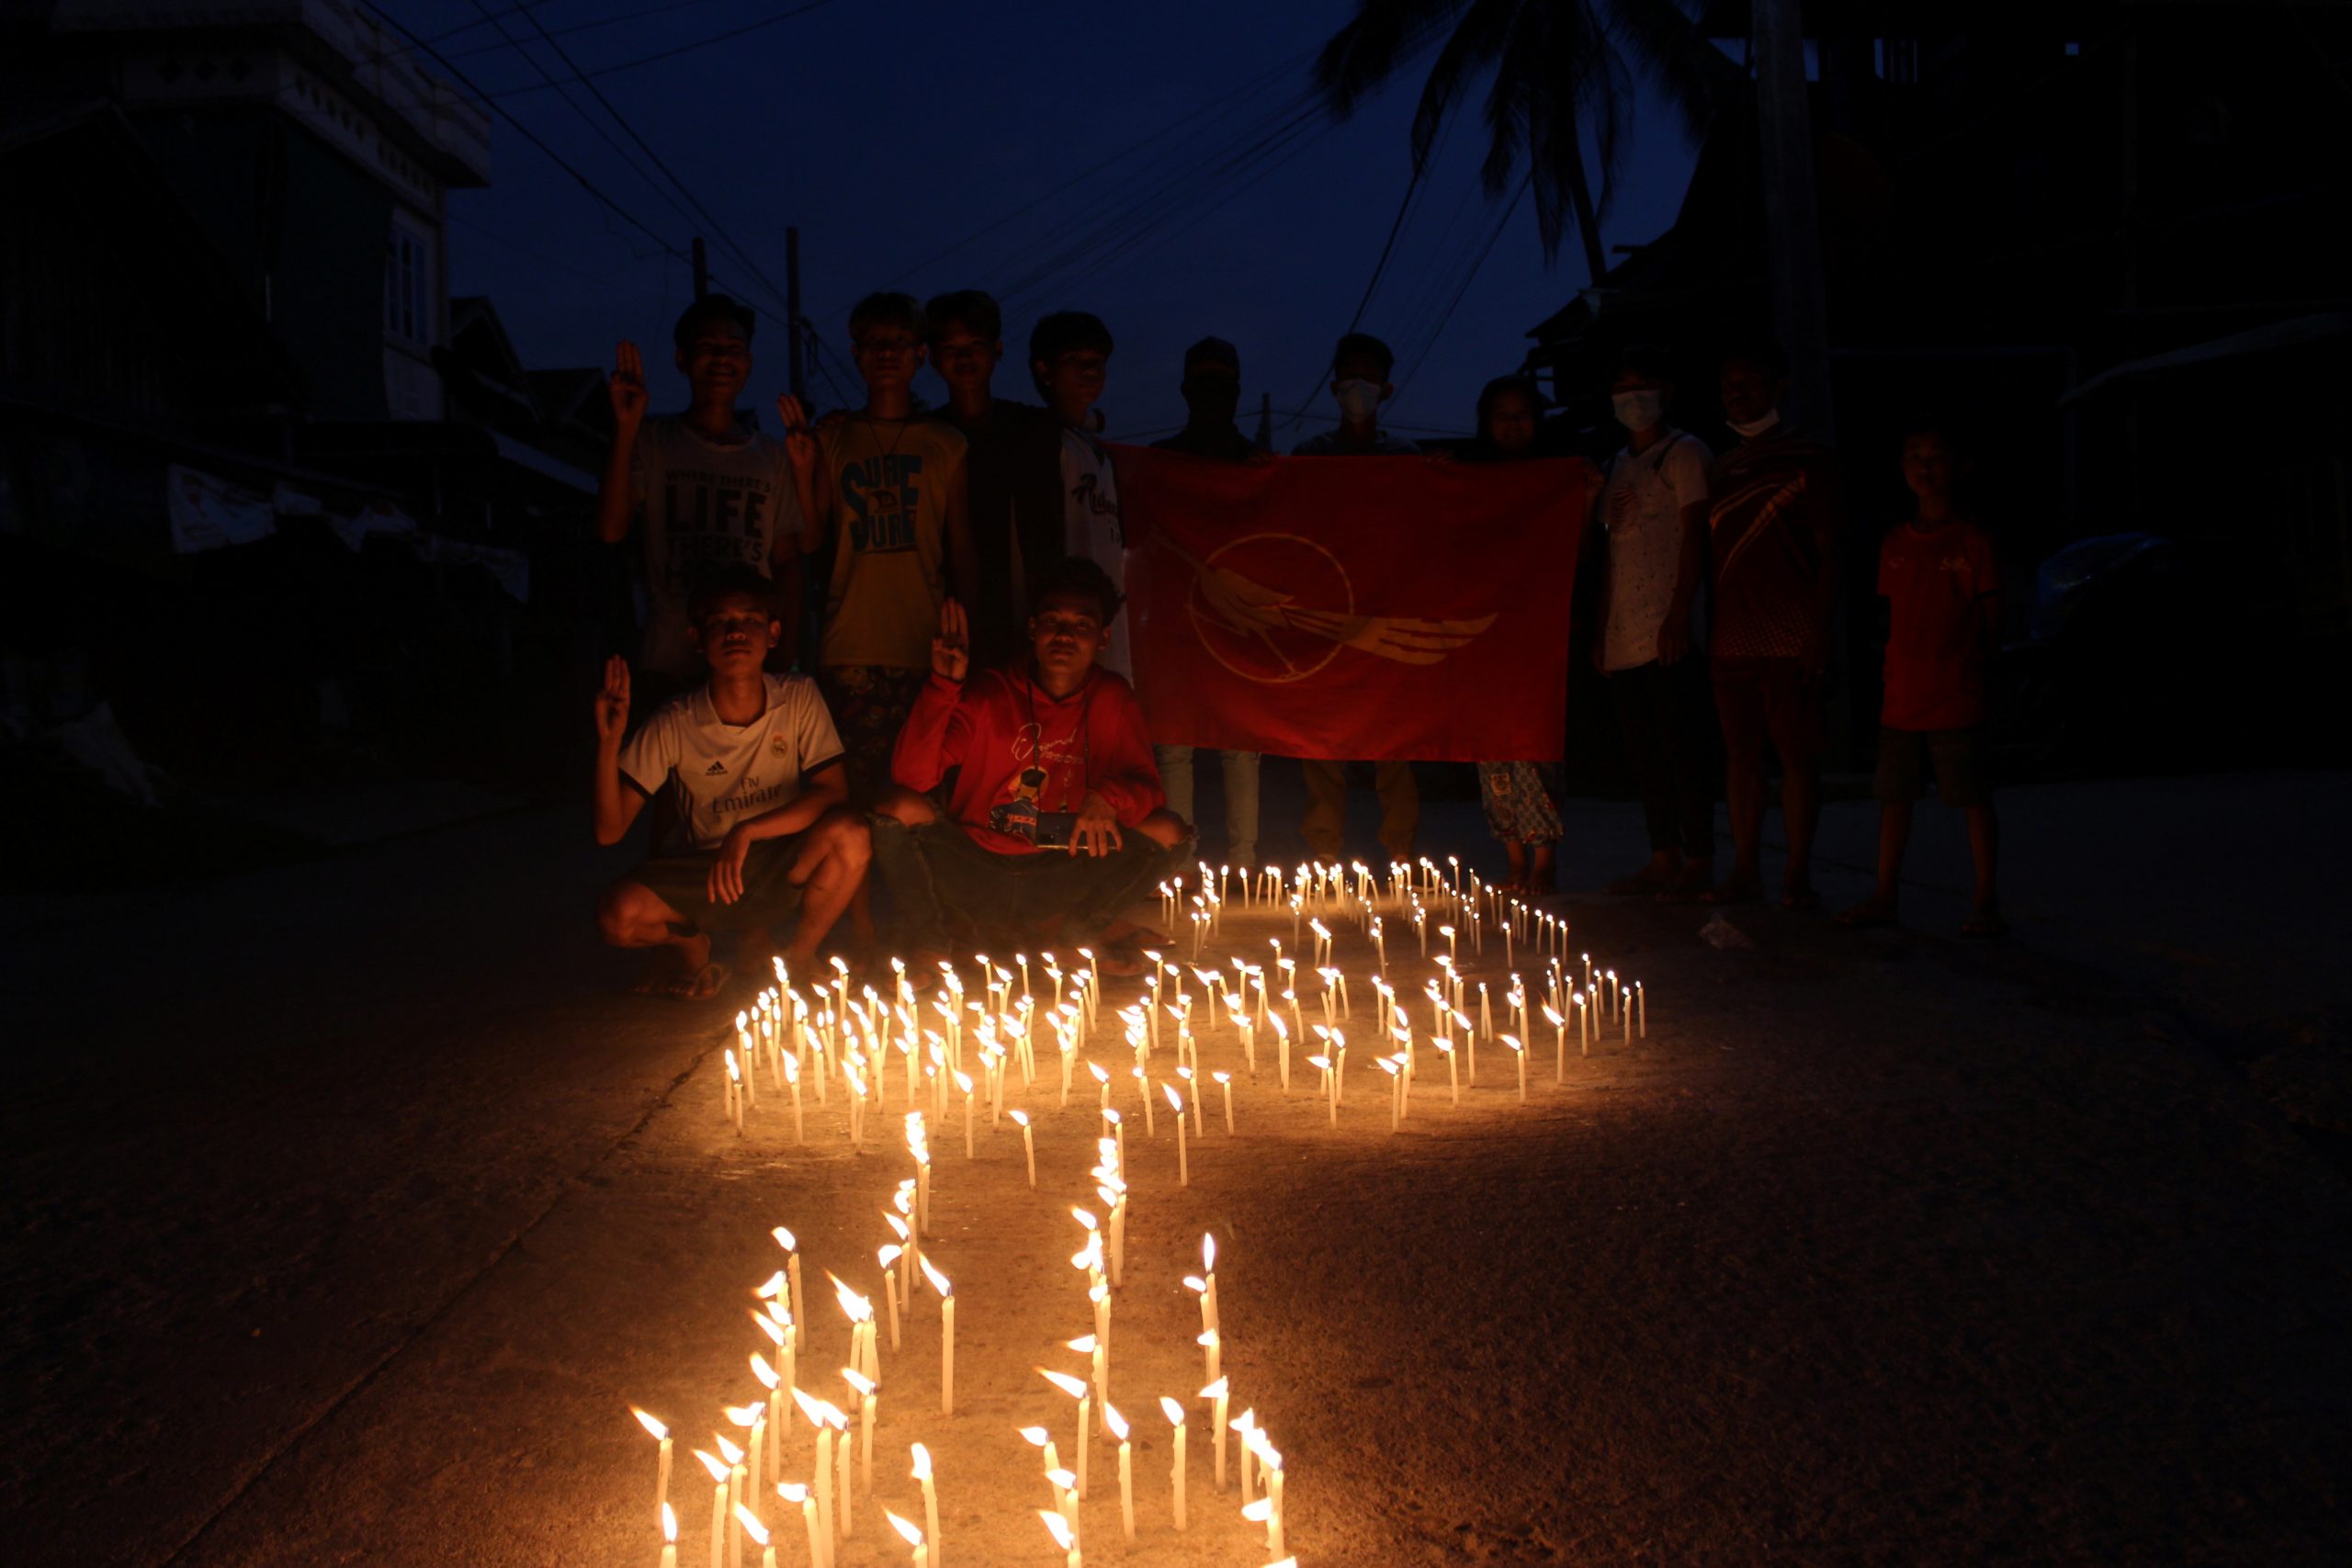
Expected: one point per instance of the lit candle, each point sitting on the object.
(889, 1257)
(1225, 1082)
(913, 1538)
(719, 1476)
(1029, 1151)
(947, 1289)
(820, 1416)
(669, 1537)
(1559, 1043)
(1175, 1413)
(1519, 1052)
(964, 1082)
(842, 1489)
(1064, 1536)
(792, 1271)
(1218, 1394)
(1076, 1389)
(1641, 1006)
(755, 1416)
(1183, 1164)
(752, 1526)
(797, 1495)
(863, 1387)
(736, 1477)
(661, 1467)
(930, 1502)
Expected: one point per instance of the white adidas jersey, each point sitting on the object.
(720, 773)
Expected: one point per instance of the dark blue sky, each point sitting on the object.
(891, 130)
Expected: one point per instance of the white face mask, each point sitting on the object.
(1637, 411)
(1756, 426)
(1359, 400)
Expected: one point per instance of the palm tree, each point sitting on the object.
(1564, 71)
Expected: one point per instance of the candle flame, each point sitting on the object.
(772, 1285)
(1221, 1077)
(669, 1523)
(1083, 1216)
(717, 1471)
(1259, 1512)
(1083, 1343)
(727, 1450)
(752, 1526)
(1215, 1390)
(1063, 1380)
(812, 1408)
(1173, 1411)
(650, 1424)
(792, 1491)
(964, 1082)
(923, 1461)
(1056, 1527)
(784, 1239)
(1174, 1103)
(1037, 1436)
(913, 1536)
(887, 1256)
(1100, 1077)
(854, 1308)
(766, 1373)
(1116, 1422)
(938, 1281)
(858, 1381)
(1020, 1118)
(769, 1326)
(732, 1070)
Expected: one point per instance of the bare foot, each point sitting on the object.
(667, 966)
(1739, 887)
(1871, 911)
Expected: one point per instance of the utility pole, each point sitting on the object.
(702, 269)
(1792, 208)
(797, 374)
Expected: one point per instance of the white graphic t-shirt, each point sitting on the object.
(1090, 528)
(720, 773)
(1646, 541)
(702, 503)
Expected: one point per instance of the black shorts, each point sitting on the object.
(1963, 776)
(770, 899)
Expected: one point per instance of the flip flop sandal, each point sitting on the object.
(694, 989)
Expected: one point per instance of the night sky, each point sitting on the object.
(891, 132)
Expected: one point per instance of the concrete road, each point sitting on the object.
(349, 1205)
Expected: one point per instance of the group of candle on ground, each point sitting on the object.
(791, 1037)
(1099, 1259)
(1317, 889)
(841, 1466)
(743, 1476)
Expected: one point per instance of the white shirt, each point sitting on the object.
(1646, 545)
(720, 773)
(1090, 528)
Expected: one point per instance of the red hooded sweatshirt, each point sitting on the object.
(1001, 727)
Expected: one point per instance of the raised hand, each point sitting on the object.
(629, 387)
(799, 441)
(612, 702)
(950, 651)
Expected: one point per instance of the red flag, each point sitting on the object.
(1359, 608)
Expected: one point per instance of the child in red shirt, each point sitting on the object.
(1937, 575)
(1056, 815)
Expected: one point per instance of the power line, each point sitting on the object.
(656, 58)
(612, 21)
(1088, 173)
(631, 130)
(1463, 292)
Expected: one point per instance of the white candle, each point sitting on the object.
(1065, 1537)
(1218, 1394)
(718, 1477)
(863, 1387)
(1225, 1082)
(1183, 1163)
(940, 1283)
(1029, 1152)
(929, 1502)
(913, 1537)
(841, 1457)
(669, 1537)
(1175, 1413)
(661, 1467)
(1127, 1469)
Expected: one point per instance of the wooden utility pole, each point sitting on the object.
(797, 373)
(1792, 208)
(702, 269)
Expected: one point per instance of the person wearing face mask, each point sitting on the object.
(1653, 508)
(1521, 800)
(1212, 392)
(1360, 367)
(1773, 516)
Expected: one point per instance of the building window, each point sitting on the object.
(408, 287)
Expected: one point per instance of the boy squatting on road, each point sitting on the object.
(753, 769)
(1057, 819)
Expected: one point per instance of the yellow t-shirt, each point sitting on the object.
(891, 480)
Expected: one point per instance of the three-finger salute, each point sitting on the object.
(950, 651)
